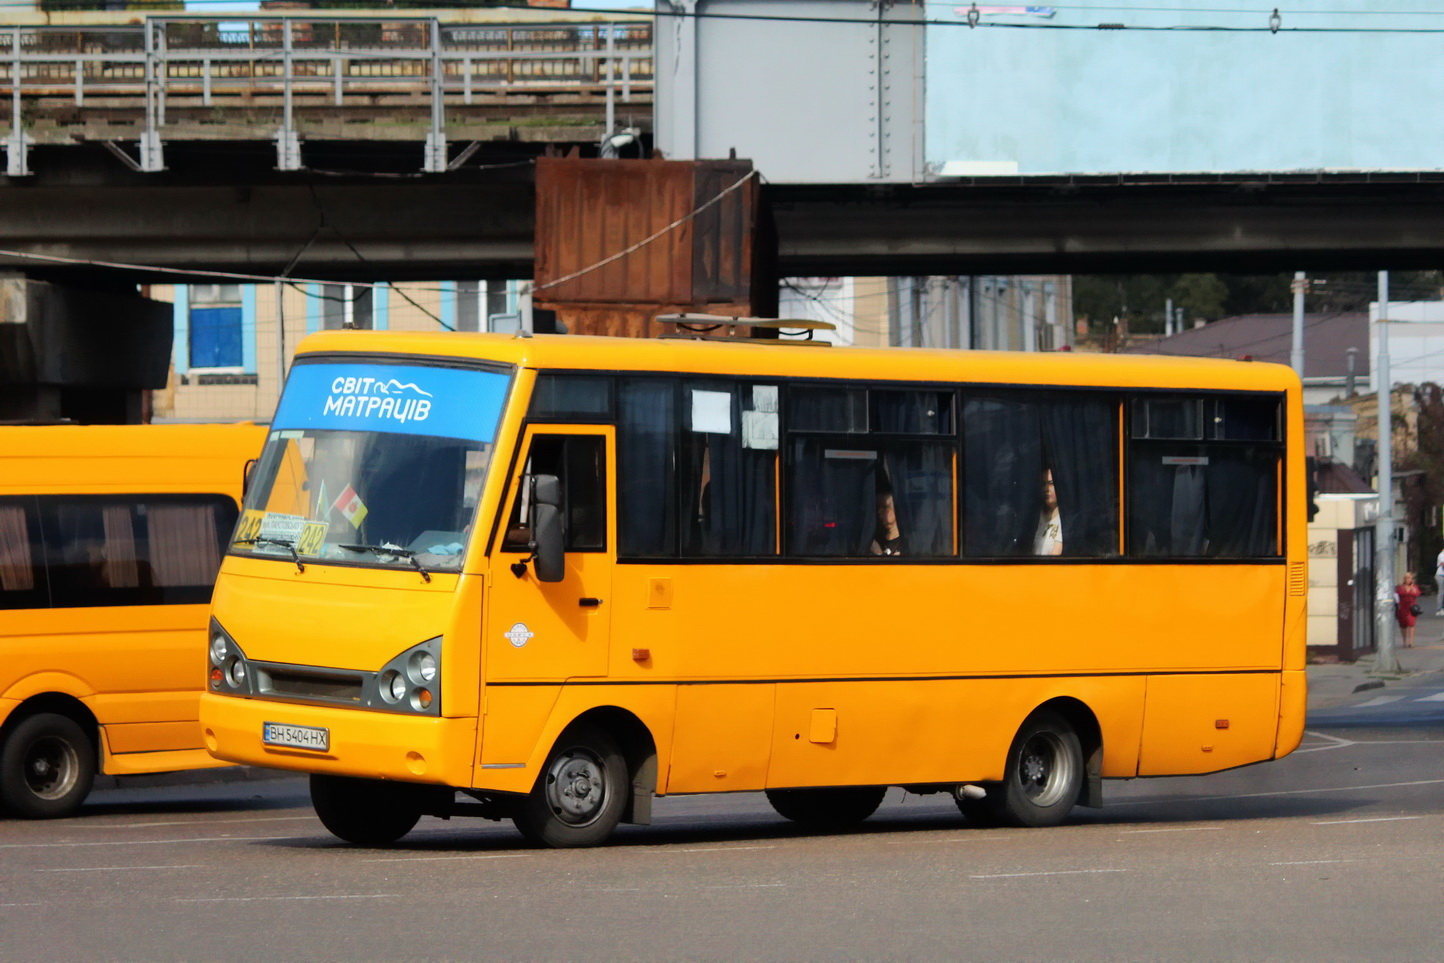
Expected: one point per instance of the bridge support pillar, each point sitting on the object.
(79, 354)
(17, 152)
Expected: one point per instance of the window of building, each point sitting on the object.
(1040, 475)
(347, 306)
(216, 326)
(485, 306)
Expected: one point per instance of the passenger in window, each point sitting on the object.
(1048, 540)
(887, 537)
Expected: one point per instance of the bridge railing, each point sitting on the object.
(220, 58)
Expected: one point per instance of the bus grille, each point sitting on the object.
(306, 685)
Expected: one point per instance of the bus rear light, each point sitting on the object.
(216, 676)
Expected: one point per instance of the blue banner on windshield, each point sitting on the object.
(400, 399)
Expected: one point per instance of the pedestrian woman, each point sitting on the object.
(1406, 598)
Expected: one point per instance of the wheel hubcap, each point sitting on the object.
(1044, 769)
(51, 768)
(576, 787)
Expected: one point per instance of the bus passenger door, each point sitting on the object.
(553, 631)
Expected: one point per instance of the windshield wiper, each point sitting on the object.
(289, 546)
(379, 550)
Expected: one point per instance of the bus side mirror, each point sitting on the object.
(547, 529)
(246, 474)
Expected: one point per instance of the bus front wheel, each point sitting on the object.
(364, 811)
(47, 766)
(1044, 773)
(842, 806)
(581, 794)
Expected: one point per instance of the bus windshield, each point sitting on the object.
(373, 465)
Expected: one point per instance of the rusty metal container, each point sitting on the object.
(620, 241)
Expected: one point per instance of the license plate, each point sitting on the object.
(295, 737)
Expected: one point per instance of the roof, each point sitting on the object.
(1336, 478)
(1269, 337)
(582, 352)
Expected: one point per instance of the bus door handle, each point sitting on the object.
(588, 602)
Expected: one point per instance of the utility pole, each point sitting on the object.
(1296, 355)
(1385, 658)
(1168, 318)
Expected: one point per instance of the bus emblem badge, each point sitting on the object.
(519, 634)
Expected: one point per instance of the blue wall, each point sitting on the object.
(1050, 101)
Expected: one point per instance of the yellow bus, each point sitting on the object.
(110, 538)
(552, 578)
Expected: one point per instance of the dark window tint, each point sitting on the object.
(884, 497)
(647, 468)
(827, 409)
(1203, 500)
(566, 398)
(1245, 419)
(119, 550)
(1040, 475)
(912, 412)
(579, 463)
(22, 556)
(728, 469)
(1168, 417)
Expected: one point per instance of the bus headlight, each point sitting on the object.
(228, 671)
(411, 682)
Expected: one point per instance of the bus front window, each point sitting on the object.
(339, 484)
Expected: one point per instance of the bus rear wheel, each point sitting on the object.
(47, 766)
(364, 811)
(841, 806)
(1044, 774)
(581, 793)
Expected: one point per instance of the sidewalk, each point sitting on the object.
(1334, 683)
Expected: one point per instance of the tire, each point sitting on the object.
(47, 766)
(367, 812)
(581, 793)
(1044, 774)
(841, 806)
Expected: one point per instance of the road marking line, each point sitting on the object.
(144, 842)
(261, 899)
(435, 859)
(746, 886)
(1436, 697)
(1376, 819)
(1338, 743)
(1315, 862)
(192, 822)
(1178, 829)
(1378, 701)
(715, 849)
(1056, 872)
(106, 869)
(1276, 792)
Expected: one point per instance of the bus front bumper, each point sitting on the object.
(358, 742)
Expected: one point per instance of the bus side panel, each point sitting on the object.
(1293, 707)
(1204, 723)
(154, 736)
(652, 705)
(874, 733)
(519, 715)
(723, 738)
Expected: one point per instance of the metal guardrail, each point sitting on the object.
(213, 60)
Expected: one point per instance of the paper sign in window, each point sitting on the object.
(759, 430)
(712, 412)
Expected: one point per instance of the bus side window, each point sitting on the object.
(22, 571)
(647, 467)
(579, 463)
(1207, 486)
(729, 470)
(1016, 447)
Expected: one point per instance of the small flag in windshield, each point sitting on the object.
(348, 503)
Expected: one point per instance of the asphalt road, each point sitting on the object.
(1333, 853)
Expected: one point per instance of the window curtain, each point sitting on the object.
(1080, 437)
(1002, 477)
(119, 566)
(832, 498)
(185, 549)
(920, 477)
(17, 568)
(728, 490)
(1242, 504)
(647, 468)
